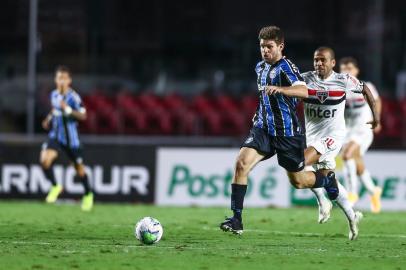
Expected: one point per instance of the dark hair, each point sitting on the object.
(349, 60)
(63, 69)
(328, 49)
(272, 32)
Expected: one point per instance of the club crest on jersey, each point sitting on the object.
(322, 95)
(272, 74)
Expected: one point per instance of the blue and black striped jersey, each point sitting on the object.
(64, 128)
(277, 113)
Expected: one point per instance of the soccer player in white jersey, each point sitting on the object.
(325, 126)
(359, 138)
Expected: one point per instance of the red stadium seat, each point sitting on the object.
(233, 120)
(133, 118)
(218, 116)
(391, 119)
(209, 119)
(248, 106)
(183, 119)
(158, 118)
(105, 116)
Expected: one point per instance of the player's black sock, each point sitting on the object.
(49, 174)
(86, 184)
(237, 199)
(321, 180)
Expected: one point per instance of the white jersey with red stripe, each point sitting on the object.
(324, 108)
(357, 111)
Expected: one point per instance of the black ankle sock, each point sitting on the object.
(49, 174)
(237, 199)
(86, 184)
(321, 180)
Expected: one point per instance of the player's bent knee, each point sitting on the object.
(47, 158)
(242, 167)
(80, 170)
(297, 184)
(346, 156)
(295, 180)
(46, 163)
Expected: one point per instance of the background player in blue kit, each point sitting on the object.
(62, 122)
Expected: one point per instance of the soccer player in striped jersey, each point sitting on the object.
(358, 139)
(325, 126)
(62, 121)
(276, 128)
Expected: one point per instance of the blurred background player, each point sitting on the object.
(359, 138)
(325, 126)
(62, 121)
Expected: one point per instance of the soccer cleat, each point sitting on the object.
(376, 200)
(325, 211)
(353, 224)
(54, 193)
(353, 198)
(87, 202)
(332, 188)
(233, 225)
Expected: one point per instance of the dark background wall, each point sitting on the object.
(191, 40)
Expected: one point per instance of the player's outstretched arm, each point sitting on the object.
(372, 104)
(298, 90)
(47, 120)
(378, 105)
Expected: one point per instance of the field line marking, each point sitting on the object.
(314, 234)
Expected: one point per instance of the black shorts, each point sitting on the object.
(290, 150)
(74, 154)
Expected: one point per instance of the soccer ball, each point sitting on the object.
(148, 230)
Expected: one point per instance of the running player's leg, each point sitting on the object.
(349, 153)
(353, 217)
(75, 155)
(325, 206)
(81, 173)
(374, 191)
(87, 200)
(48, 156)
(307, 179)
(325, 166)
(343, 202)
(246, 161)
(256, 147)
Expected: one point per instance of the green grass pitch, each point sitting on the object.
(38, 236)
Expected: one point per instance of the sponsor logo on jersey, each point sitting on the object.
(320, 113)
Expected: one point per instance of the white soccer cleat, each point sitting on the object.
(325, 211)
(354, 225)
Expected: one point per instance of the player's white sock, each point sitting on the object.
(325, 205)
(350, 173)
(366, 180)
(321, 198)
(344, 203)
